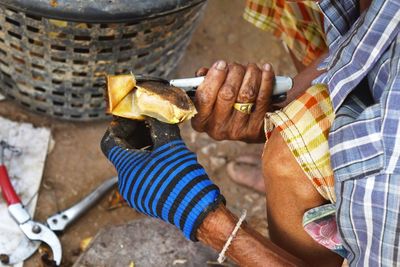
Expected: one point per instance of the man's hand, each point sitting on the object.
(226, 85)
(158, 175)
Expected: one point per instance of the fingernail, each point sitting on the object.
(267, 67)
(220, 65)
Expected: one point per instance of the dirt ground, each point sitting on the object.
(76, 165)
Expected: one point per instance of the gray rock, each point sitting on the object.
(145, 242)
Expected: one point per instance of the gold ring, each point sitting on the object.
(245, 108)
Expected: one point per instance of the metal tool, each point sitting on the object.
(59, 221)
(25, 249)
(33, 230)
(282, 84)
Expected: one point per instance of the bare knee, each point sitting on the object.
(281, 169)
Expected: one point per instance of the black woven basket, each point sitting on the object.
(54, 53)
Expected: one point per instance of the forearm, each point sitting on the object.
(248, 248)
(302, 81)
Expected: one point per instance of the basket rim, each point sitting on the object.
(125, 11)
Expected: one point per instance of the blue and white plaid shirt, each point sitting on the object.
(362, 73)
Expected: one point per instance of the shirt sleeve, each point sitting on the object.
(357, 51)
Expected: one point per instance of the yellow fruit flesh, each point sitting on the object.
(128, 100)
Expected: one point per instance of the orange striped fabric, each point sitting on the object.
(304, 125)
(298, 23)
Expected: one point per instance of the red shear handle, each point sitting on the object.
(7, 189)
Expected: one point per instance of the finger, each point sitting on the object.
(264, 96)
(247, 94)
(201, 72)
(207, 92)
(226, 98)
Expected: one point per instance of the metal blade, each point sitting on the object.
(37, 231)
(26, 248)
(146, 78)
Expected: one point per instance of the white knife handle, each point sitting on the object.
(282, 83)
(187, 82)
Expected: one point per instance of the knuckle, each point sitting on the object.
(249, 91)
(251, 85)
(236, 67)
(228, 92)
(202, 99)
(213, 78)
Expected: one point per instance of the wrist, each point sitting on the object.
(199, 220)
(248, 248)
(216, 227)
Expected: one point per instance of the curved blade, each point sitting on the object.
(26, 248)
(148, 78)
(37, 231)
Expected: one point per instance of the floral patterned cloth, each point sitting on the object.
(320, 224)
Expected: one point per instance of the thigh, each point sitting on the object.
(289, 194)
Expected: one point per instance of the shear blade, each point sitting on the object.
(44, 234)
(26, 248)
(146, 78)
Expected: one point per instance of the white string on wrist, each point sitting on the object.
(221, 256)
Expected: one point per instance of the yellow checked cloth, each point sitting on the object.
(298, 23)
(304, 124)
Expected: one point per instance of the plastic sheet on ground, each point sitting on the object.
(25, 172)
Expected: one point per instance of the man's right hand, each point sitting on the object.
(226, 85)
